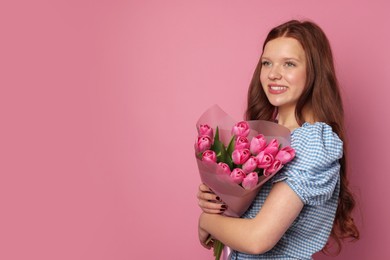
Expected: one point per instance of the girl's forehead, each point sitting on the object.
(283, 47)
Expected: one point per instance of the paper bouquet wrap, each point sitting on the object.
(235, 196)
(236, 159)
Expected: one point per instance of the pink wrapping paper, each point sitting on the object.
(236, 197)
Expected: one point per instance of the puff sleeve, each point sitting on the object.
(314, 172)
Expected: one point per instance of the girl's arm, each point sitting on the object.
(260, 234)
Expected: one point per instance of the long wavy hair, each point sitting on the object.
(322, 95)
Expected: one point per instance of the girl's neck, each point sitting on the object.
(286, 117)
(288, 122)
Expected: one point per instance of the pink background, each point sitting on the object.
(98, 104)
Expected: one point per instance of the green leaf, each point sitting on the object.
(229, 161)
(229, 151)
(230, 147)
(220, 150)
(216, 136)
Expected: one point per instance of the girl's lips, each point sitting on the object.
(276, 89)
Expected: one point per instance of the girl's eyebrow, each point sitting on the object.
(284, 58)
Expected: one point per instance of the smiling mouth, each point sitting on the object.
(273, 89)
(277, 88)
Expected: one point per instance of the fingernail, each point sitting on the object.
(218, 198)
(223, 206)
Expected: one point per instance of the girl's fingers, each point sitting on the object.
(212, 207)
(208, 196)
(204, 188)
(209, 202)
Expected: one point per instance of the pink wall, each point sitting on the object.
(98, 102)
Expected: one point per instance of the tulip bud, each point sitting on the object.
(206, 130)
(250, 181)
(258, 143)
(223, 168)
(203, 143)
(264, 160)
(240, 156)
(237, 175)
(209, 156)
(241, 129)
(274, 168)
(272, 148)
(250, 165)
(241, 143)
(285, 154)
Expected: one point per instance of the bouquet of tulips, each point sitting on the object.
(236, 159)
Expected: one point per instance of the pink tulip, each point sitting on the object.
(258, 143)
(275, 167)
(272, 148)
(250, 181)
(223, 168)
(240, 156)
(237, 175)
(209, 156)
(203, 143)
(250, 165)
(206, 130)
(242, 143)
(264, 160)
(241, 129)
(285, 154)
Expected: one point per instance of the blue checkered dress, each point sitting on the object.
(314, 176)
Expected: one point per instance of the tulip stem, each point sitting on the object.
(218, 246)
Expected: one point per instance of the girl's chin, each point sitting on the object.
(282, 105)
(277, 103)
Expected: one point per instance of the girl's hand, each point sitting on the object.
(204, 238)
(209, 202)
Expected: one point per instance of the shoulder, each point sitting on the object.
(316, 144)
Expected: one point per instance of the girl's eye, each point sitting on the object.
(290, 64)
(266, 63)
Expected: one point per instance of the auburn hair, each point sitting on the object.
(322, 95)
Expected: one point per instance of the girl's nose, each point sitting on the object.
(274, 73)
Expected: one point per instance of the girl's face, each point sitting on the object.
(283, 72)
